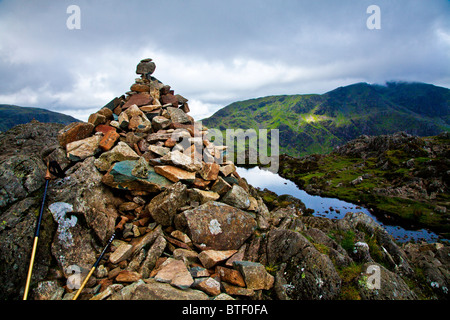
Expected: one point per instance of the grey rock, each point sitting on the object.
(154, 290)
(146, 67)
(237, 197)
(178, 115)
(216, 225)
(164, 206)
(307, 273)
(48, 290)
(20, 176)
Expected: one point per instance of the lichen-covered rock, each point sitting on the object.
(306, 273)
(164, 206)
(216, 225)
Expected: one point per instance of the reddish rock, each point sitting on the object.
(210, 171)
(185, 108)
(189, 127)
(200, 183)
(237, 291)
(175, 174)
(140, 99)
(170, 143)
(140, 87)
(128, 276)
(210, 286)
(175, 272)
(74, 132)
(169, 99)
(103, 128)
(109, 140)
(231, 276)
(209, 258)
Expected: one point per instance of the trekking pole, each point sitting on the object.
(36, 234)
(118, 227)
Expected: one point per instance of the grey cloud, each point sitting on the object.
(284, 47)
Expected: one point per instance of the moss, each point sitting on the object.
(348, 241)
(349, 276)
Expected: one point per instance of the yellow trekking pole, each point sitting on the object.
(36, 234)
(118, 227)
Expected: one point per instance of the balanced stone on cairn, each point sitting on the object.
(145, 68)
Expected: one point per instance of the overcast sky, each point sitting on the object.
(214, 52)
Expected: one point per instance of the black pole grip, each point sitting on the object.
(38, 224)
(104, 250)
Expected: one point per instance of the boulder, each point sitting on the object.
(215, 225)
(306, 273)
(91, 199)
(73, 243)
(123, 252)
(20, 176)
(153, 254)
(164, 206)
(209, 285)
(231, 276)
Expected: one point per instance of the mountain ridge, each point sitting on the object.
(316, 123)
(12, 115)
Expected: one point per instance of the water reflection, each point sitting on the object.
(326, 207)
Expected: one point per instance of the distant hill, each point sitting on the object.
(315, 123)
(11, 116)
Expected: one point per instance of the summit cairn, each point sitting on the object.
(180, 194)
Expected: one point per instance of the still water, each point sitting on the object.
(326, 207)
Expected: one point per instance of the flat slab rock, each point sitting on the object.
(121, 176)
(217, 226)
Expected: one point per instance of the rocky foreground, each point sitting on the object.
(191, 228)
(404, 177)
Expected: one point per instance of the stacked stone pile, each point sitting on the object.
(188, 212)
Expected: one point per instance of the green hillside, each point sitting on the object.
(316, 123)
(11, 116)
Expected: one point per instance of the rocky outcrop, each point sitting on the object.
(192, 229)
(404, 177)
